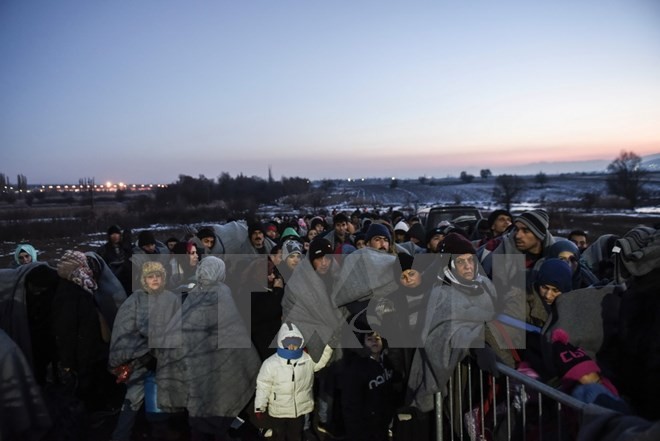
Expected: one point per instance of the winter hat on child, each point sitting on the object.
(290, 247)
(557, 273)
(149, 268)
(377, 230)
(572, 363)
(537, 221)
(288, 234)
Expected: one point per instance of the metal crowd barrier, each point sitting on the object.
(553, 402)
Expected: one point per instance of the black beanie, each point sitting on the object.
(497, 213)
(256, 226)
(114, 229)
(146, 237)
(319, 247)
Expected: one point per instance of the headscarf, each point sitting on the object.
(28, 249)
(210, 271)
(73, 266)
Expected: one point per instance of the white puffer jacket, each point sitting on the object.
(284, 387)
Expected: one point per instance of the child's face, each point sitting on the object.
(374, 343)
(549, 293)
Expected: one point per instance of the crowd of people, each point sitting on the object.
(343, 326)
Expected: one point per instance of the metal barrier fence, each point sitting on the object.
(510, 416)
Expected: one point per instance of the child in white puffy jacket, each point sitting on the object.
(285, 384)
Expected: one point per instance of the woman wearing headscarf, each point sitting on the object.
(24, 254)
(81, 332)
(212, 375)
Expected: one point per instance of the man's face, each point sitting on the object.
(115, 238)
(380, 243)
(170, 245)
(24, 258)
(526, 242)
(399, 236)
(434, 243)
(149, 248)
(340, 229)
(257, 239)
(580, 241)
(465, 266)
(154, 281)
(322, 264)
(411, 278)
(208, 242)
(501, 224)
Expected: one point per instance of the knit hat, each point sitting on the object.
(377, 230)
(114, 229)
(572, 363)
(205, 232)
(316, 221)
(497, 213)
(562, 245)
(537, 221)
(289, 233)
(73, 266)
(405, 263)
(146, 237)
(319, 247)
(557, 273)
(290, 247)
(256, 226)
(271, 227)
(456, 244)
(416, 231)
(433, 232)
(152, 267)
(401, 226)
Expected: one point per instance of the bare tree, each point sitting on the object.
(627, 177)
(507, 187)
(485, 173)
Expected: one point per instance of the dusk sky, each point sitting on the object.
(144, 90)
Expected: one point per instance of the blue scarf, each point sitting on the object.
(288, 354)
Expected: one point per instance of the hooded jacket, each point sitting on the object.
(285, 386)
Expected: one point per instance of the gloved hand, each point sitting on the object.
(123, 373)
(486, 360)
